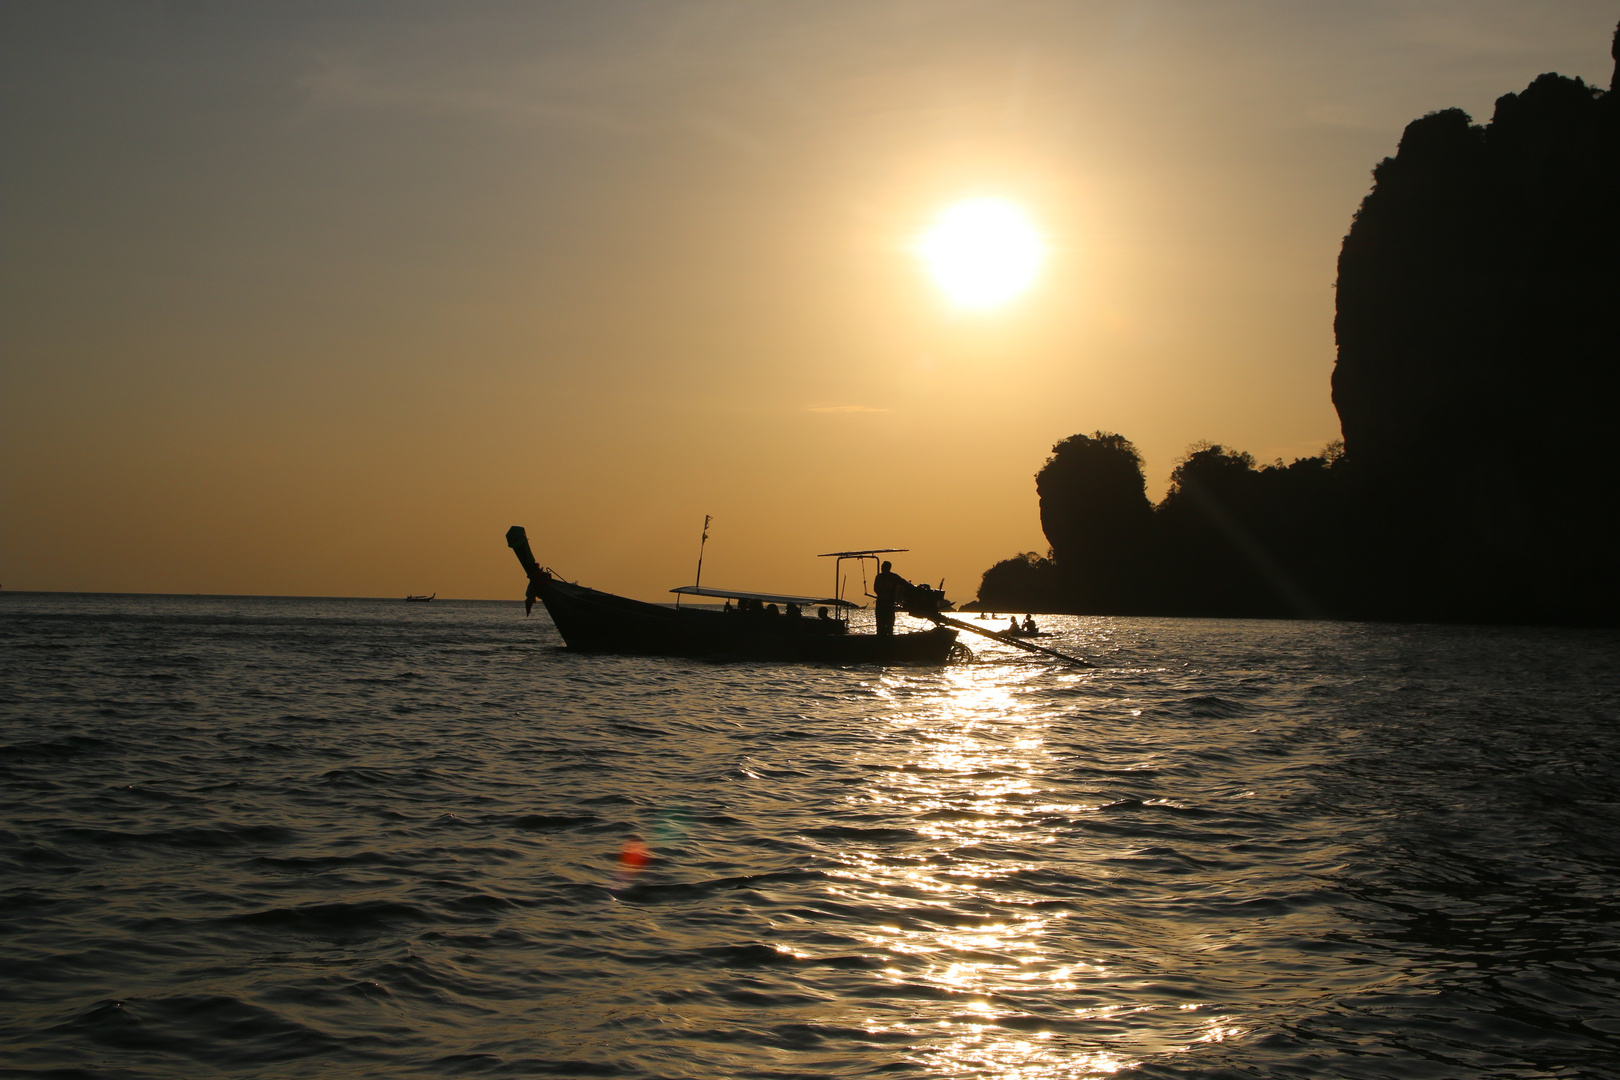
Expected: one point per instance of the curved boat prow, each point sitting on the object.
(518, 541)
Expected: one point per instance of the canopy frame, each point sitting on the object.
(860, 555)
(762, 597)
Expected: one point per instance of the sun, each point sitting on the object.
(982, 252)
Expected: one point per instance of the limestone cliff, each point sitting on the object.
(1478, 357)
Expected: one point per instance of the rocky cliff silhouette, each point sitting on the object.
(1229, 538)
(1476, 385)
(1478, 354)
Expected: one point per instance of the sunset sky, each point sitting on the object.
(311, 298)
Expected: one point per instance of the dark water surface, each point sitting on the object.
(331, 838)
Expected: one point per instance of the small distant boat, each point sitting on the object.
(765, 626)
(420, 599)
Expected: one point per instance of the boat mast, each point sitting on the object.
(701, 544)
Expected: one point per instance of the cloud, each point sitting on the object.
(843, 409)
(342, 82)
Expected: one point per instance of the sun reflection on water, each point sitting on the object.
(986, 973)
(971, 773)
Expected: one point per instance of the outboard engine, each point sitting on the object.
(923, 601)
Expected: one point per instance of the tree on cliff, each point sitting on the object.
(1239, 540)
(1096, 515)
(1025, 582)
(1228, 538)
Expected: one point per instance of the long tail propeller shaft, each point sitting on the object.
(1006, 640)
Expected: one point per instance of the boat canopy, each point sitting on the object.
(762, 597)
(860, 554)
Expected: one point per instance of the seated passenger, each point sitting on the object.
(1029, 625)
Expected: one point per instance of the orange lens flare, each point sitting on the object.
(634, 855)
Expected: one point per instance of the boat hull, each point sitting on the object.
(594, 621)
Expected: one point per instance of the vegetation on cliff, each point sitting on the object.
(1229, 537)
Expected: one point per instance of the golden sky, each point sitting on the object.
(318, 299)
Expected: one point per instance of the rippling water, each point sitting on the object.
(281, 837)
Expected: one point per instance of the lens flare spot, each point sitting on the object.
(634, 855)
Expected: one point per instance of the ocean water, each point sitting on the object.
(250, 837)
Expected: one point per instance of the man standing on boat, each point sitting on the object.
(889, 588)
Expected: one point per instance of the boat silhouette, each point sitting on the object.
(590, 620)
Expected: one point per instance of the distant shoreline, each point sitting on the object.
(247, 596)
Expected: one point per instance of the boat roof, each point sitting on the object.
(858, 554)
(762, 597)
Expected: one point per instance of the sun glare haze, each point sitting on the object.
(319, 300)
(982, 252)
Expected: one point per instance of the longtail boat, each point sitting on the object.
(594, 621)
